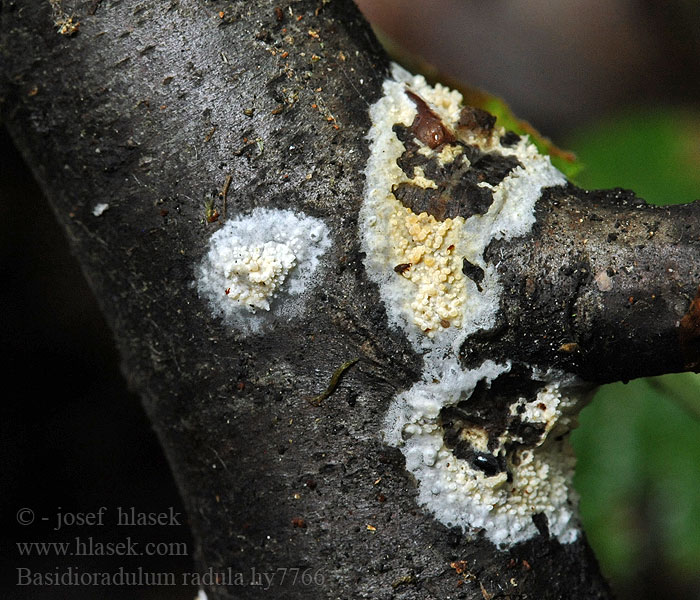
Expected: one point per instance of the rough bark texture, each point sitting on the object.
(149, 108)
(600, 287)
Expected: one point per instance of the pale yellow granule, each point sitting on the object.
(449, 152)
(420, 180)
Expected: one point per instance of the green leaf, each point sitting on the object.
(638, 446)
(655, 152)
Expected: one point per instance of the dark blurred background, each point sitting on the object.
(561, 64)
(74, 438)
(615, 81)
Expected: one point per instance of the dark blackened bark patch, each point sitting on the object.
(420, 200)
(475, 119)
(452, 198)
(454, 421)
(530, 434)
(488, 408)
(410, 158)
(510, 138)
(494, 168)
(516, 383)
(541, 522)
(458, 192)
(474, 272)
(427, 126)
(689, 334)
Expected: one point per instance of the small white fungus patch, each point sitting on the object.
(254, 260)
(98, 209)
(603, 281)
(417, 263)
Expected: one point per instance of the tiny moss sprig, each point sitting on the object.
(333, 383)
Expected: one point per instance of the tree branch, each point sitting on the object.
(152, 110)
(602, 287)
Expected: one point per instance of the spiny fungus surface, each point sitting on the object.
(487, 445)
(256, 262)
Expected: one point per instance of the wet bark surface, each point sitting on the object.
(600, 287)
(150, 108)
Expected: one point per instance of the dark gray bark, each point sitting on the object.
(620, 278)
(149, 108)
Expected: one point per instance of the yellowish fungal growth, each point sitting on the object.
(442, 182)
(428, 246)
(420, 223)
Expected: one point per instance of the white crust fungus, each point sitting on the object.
(433, 291)
(254, 259)
(417, 260)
